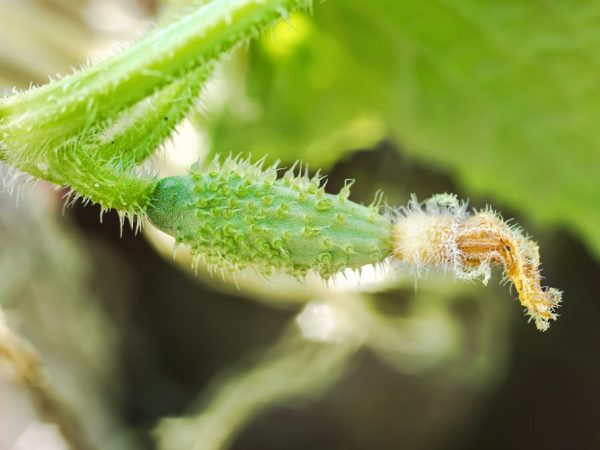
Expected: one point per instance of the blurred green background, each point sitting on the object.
(495, 101)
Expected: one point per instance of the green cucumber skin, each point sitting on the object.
(240, 218)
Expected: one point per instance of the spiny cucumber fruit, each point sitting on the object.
(237, 215)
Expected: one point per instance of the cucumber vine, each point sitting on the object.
(90, 132)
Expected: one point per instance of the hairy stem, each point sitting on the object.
(87, 130)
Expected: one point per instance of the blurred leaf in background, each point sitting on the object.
(502, 93)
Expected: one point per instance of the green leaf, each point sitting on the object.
(503, 93)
